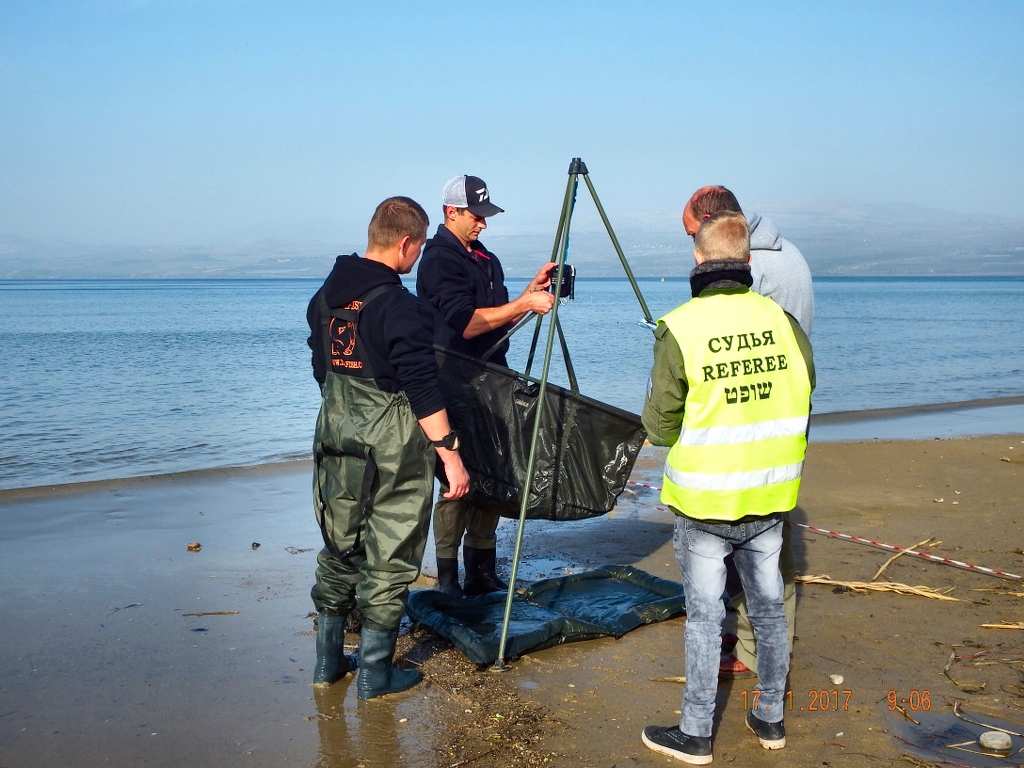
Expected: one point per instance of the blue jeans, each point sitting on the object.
(701, 548)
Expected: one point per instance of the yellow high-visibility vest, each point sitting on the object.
(743, 441)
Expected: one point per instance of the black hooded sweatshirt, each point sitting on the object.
(456, 283)
(396, 329)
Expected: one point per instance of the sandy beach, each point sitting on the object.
(104, 661)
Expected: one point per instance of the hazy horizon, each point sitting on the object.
(836, 239)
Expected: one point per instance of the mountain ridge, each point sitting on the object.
(836, 238)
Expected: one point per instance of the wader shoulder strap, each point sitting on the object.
(350, 315)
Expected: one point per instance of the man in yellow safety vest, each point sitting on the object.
(730, 393)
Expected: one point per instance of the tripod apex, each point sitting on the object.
(577, 166)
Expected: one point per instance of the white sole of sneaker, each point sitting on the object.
(768, 743)
(691, 759)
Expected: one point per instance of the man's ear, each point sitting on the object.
(748, 258)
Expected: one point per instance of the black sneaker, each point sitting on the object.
(771, 735)
(695, 750)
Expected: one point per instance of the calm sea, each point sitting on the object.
(116, 379)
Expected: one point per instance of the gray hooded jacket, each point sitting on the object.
(780, 271)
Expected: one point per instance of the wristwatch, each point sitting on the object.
(449, 442)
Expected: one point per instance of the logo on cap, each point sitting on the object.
(460, 191)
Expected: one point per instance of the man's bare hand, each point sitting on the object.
(455, 471)
(536, 297)
(542, 279)
(436, 427)
(540, 301)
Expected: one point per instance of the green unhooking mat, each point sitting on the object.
(607, 601)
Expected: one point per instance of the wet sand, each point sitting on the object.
(99, 664)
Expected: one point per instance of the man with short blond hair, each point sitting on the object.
(778, 270)
(382, 427)
(723, 238)
(730, 394)
(777, 267)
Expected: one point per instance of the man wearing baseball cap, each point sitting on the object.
(465, 285)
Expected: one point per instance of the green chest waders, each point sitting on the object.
(372, 483)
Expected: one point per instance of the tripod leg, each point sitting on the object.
(561, 234)
(533, 345)
(565, 356)
(524, 500)
(618, 248)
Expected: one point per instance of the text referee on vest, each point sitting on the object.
(730, 392)
(465, 285)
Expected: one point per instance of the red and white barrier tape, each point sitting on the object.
(889, 547)
(645, 485)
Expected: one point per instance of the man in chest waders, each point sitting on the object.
(381, 427)
(730, 393)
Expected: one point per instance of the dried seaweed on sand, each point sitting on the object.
(880, 586)
(1000, 592)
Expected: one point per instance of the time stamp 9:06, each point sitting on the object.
(839, 701)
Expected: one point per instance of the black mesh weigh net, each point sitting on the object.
(585, 451)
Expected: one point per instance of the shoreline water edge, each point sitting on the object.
(968, 418)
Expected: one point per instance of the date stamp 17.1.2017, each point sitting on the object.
(817, 701)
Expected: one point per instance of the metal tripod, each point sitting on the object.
(577, 168)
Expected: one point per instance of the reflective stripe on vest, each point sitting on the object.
(733, 481)
(741, 449)
(746, 433)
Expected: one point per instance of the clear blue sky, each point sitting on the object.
(206, 122)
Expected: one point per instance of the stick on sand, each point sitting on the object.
(897, 556)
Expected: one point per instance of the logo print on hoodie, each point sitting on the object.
(343, 342)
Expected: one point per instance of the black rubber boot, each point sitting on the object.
(480, 576)
(332, 663)
(377, 675)
(448, 577)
